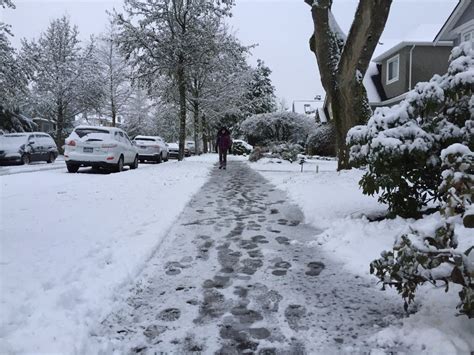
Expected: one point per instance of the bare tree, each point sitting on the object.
(165, 37)
(65, 75)
(216, 79)
(343, 62)
(116, 73)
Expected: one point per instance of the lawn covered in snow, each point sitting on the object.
(332, 201)
(71, 242)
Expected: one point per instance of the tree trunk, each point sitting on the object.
(60, 126)
(196, 125)
(114, 113)
(182, 107)
(343, 64)
(205, 147)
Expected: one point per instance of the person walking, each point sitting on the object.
(223, 144)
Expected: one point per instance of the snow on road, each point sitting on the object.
(70, 241)
(332, 201)
(33, 167)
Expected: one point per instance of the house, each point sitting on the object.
(459, 26)
(392, 74)
(406, 64)
(44, 125)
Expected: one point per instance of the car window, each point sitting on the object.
(127, 139)
(145, 139)
(81, 132)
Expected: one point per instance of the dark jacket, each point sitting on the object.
(223, 141)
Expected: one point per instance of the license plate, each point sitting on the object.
(88, 149)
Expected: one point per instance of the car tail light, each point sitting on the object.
(111, 145)
(110, 158)
(72, 143)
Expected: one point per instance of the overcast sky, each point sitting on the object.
(280, 27)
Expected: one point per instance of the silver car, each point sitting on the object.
(151, 148)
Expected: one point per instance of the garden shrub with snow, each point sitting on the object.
(322, 141)
(256, 155)
(401, 145)
(285, 151)
(266, 128)
(419, 257)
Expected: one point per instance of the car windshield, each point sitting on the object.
(81, 132)
(144, 139)
(14, 138)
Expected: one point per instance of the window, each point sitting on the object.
(468, 36)
(393, 66)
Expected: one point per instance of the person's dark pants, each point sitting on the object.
(222, 157)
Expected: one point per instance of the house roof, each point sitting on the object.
(401, 45)
(373, 93)
(452, 19)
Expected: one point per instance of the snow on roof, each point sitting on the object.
(372, 93)
(452, 19)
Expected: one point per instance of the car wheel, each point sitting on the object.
(25, 159)
(72, 168)
(119, 165)
(167, 157)
(135, 163)
(159, 159)
(51, 158)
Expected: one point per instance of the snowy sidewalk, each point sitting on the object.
(236, 275)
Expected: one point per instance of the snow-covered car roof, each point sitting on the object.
(173, 145)
(16, 134)
(110, 129)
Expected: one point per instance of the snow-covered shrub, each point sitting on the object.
(401, 145)
(418, 258)
(266, 128)
(256, 155)
(322, 141)
(285, 151)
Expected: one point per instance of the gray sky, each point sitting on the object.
(280, 27)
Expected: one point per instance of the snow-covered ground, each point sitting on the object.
(35, 166)
(70, 241)
(332, 201)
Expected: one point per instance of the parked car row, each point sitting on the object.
(100, 147)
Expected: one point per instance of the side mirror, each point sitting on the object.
(134, 143)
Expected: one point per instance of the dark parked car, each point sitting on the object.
(27, 147)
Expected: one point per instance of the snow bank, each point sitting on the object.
(71, 242)
(333, 202)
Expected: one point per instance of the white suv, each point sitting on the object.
(105, 147)
(151, 148)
